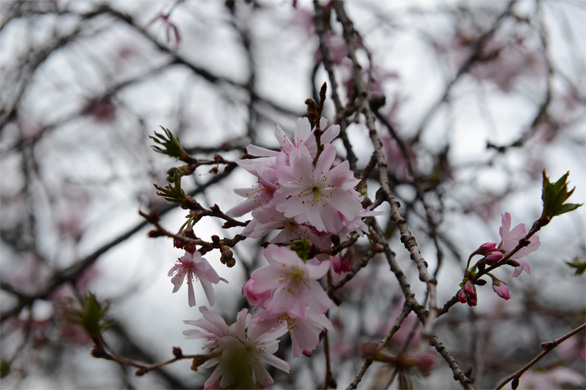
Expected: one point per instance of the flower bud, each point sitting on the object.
(501, 289)
(493, 258)
(470, 289)
(485, 249)
(462, 296)
(227, 254)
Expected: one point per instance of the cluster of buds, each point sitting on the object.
(187, 232)
(468, 293)
(227, 256)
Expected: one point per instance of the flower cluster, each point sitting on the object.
(493, 255)
(305, 194)
(301, 190)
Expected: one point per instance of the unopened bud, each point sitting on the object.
(226, 254)
(462, 298)
(154, 234)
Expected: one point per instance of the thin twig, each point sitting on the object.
(548, 347)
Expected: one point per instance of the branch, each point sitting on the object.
(548, 347)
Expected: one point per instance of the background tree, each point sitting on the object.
(449, 112)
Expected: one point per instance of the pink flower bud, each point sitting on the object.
(493, 258)
(462, 296)
(485, 249)
(470, 289)
(501, 289)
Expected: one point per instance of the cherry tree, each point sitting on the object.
(293, 194)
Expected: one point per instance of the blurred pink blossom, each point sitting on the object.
(194, 266)
(555, 378)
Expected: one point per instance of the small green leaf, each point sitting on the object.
(4, 368)
(566, 208)
(579, 265)
(555, 195)
(89, 315)
(170, 145)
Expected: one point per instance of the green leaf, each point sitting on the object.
(89, 315)
(579, 265)
(4, 368)
(170, 145)
(555, 195)
(566, 208)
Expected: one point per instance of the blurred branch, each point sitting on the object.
(474, 57)
(548, 347)
(74, 271)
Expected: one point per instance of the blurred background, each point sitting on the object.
(485, 94)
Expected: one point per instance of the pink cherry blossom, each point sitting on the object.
(318, 195)
(255, 298)
(304, 136)
(238, 350)
(213, 324)
(194, 266)
(304, 333)
(342, 264)
(510, 240)
(524, 266)
(295, 283)
(259, 195)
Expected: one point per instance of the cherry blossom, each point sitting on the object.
(259, 195)
(194, 266)
(321, 196)
(510, 240)
(300, 192)
(255, 298)
(304, 333)
(295, 283)
(238, 350)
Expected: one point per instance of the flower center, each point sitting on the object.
(297, 279)
(316, 192)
